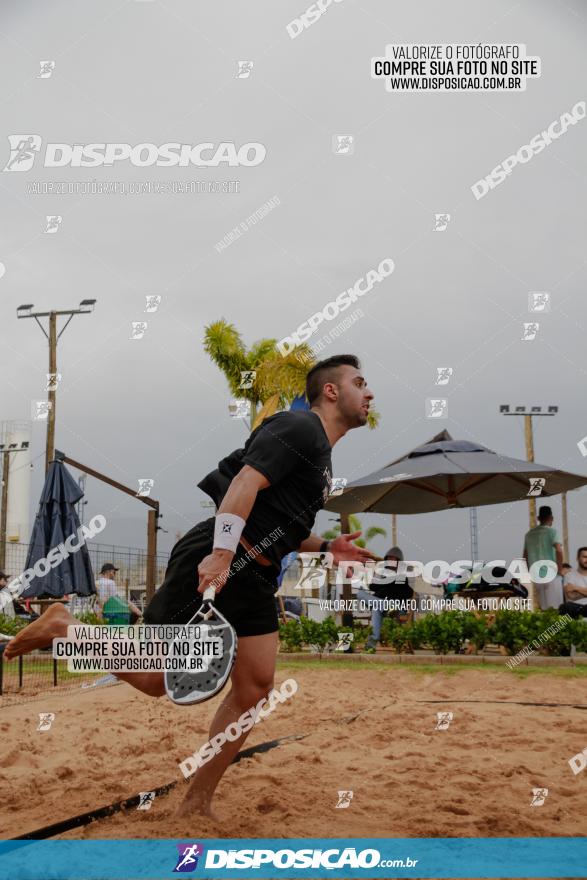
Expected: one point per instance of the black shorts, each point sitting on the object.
(247, 599)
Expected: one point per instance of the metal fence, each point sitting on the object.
(35, 676)
(131, 562)
(32, 676)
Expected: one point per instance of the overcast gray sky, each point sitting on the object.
(158, 72)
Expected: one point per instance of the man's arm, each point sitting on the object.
(342, 548)
(559, 557)
(574, 591)
(239, 500)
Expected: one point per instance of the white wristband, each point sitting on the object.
(227, 531)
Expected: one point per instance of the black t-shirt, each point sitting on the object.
(292, 451)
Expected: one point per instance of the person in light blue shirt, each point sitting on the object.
(543, 543)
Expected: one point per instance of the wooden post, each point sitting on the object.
(530, 457)
(567, 556)
(151, 552)
(394, 529)
(151, 520)
(4, 512)
(52, 394)
(347, 593)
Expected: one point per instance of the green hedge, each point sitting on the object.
(447, 632)
(9, 626)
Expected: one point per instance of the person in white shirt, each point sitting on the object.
(106, 587)
(575, 587)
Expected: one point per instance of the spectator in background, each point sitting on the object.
(16, 607)
(106, 587)
(543, 543)
(8, 609)
(384, 588)
(575, 587)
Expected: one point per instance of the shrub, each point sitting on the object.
(361, 633)
(290, 634)
(10, 626)
(443, 632)
(89, 618)
(515, 630)
(475, 629)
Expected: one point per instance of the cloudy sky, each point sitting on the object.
(159, 72)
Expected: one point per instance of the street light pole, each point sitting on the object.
(528, 412)
(24, 311)
(529, 437)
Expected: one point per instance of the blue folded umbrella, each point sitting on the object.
(55, 521)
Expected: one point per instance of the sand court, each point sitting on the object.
(366, 730)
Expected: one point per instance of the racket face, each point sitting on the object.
(187, 688)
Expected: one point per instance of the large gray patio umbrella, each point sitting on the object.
(447, 473)
(55, 521)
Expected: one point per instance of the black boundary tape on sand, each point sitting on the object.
(512, 703)
(129, 803)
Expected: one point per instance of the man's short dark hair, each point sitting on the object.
(544, 513)
(325, 371)
(581, 550)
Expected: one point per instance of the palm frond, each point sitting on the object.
(285, 374)
(373, 419)
(259, 351)
(223, 343)
(331, 534)
(373, 531)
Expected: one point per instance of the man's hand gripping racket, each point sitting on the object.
(187, 688)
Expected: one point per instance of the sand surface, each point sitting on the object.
(407, 778)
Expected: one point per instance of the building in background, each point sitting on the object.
(18, 519)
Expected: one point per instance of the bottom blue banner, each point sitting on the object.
(362, 857)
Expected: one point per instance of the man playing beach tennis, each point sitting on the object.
(267, 496)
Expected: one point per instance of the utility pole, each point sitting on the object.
(52, 384)
(86, 307)
(529, 438)
(528, 412)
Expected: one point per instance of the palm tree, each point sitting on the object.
(355, 526)
(278, 379)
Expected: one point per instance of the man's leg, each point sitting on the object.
(252, 680)
(573, 609)
(376, 620)
(53, 625)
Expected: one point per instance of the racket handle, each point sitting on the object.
(209, 594)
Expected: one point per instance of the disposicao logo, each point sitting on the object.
(187, 859)
(24, 149)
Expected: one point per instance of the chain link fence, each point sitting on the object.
(131, 562)
(31, 676)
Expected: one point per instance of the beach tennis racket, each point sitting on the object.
(187, 688)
